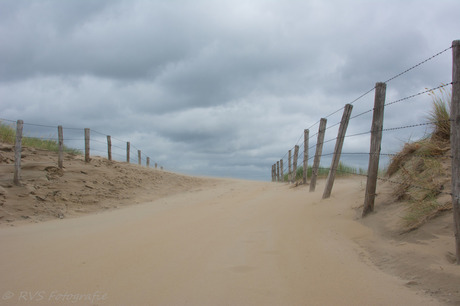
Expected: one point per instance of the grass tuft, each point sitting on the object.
(8, 135)
(423, 168)
(439, 116)
(342, 170)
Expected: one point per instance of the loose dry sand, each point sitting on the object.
(48, 192)
(220, 242)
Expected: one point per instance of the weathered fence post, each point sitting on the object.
(455, 142)
(290, 167)
(319, 150)
(337, 150)
(277, 171)
(148, 162)
(139, 157)
(294, 165)
(128, 150)
(87, 138)
(109, 147)
(281, 170)
(61, 147)
(306, 136)
(17, 152)
(156, 165)
(273, 176)
(374, 153)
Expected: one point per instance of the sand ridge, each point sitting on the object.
(48, 192)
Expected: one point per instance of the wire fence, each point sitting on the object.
(411, 129)
(74, 140)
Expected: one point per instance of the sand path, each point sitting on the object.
(234, 243)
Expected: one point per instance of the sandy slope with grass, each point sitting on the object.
(47, 192)
(196, 241)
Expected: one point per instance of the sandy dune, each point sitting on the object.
(231, 243)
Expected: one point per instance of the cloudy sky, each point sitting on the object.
(221, 88)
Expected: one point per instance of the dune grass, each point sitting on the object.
(342, 170)
(8, 135)
(423, 167)
(439, 116)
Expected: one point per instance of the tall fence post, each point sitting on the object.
(374, 153)
(273, 177)
(294, 164)
(278, 171)
(337, 150)
(148, 162)
(61, 147)
(290, 167)
(87, 138)
(109, 147)
(139, 157)
(281, 170)
(306, 136)
(128, 149)
(17, 152)
(319, 151)
(455, 142)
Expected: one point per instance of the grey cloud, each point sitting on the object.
(219, 88)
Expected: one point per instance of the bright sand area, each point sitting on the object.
(231, 242)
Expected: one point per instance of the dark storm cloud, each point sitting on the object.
(217, 87)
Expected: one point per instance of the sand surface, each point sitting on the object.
(230, 243)
(111, 233)
(80, 188)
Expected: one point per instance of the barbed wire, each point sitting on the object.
(12, 121)
(418, 94)
(417, 65)
(357, 172)
(40, 125)
(386, 104)
(369, 153)
(93, 140)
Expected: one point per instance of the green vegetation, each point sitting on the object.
(423, 168)
(8, 135)
(439, 116)
(342, 170)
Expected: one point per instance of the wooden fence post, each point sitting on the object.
(281, 170)
(306, 136)
(278, 171)
(455, 142)
(61, 147)
(290, 167)
(148, 162)
(374, 153)
(87, 138)
(156, 165)
(139, 157)
(109, 147)
(319, 150)
(337, 150)
(128, 150)
(17, 152)
(294, 164)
